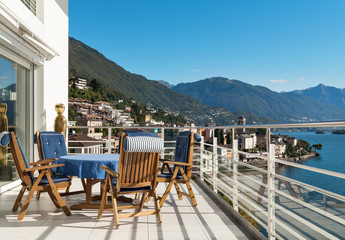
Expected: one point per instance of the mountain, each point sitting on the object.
(236, 96)
(326, 94)
(166, 84)
(86, 62)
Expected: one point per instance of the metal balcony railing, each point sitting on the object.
(279, 206)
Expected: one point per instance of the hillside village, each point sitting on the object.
(92, 116)
(105, 114)
(101, 113)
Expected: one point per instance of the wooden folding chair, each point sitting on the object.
(44, 181)
(182, 170)
(137, 174)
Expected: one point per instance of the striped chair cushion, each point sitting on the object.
(136, 133)
(143, 144)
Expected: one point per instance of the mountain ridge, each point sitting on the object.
(86, 62)
(235, 95)
(327, 94)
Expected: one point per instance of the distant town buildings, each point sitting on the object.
(97, 114)
(78, 82)
(83, 144)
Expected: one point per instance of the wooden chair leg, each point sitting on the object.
(69, 186)
(137, 197)
(165, 195)
(57, 195)
(26, 204)
(167, 191)
(103, 199)
(189, 187)
(191, 194)
(28, 198)
(53, 198)
(178, 191)
(142, 202)
(38, 194)
(157, 205)
(149, 196)
(114, 203)
(17, 203)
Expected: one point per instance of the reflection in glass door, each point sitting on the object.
(14, 112)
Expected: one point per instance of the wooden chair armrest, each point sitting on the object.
(43, 167)
(110, 171)
(44, 161)
(178, 163)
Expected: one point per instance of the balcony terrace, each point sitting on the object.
(282, 207)
(180, 220)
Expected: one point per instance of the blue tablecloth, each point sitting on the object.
(87, 165)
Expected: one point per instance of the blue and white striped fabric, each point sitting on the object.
(143, 144)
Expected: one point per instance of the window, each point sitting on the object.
(30, 4)
(15, 112)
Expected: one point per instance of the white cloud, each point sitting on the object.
(301, 79)
(279, 81)
(3, 77)
(196, 70)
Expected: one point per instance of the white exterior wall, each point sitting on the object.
(56, 70)
(50, 77)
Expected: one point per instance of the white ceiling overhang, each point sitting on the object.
(16, 36)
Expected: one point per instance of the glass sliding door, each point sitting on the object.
(14, 112)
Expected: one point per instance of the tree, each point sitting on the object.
(95, 85)
(290, 150)
(260, 131)
(219, 134)
(229, 138)
(317, 146)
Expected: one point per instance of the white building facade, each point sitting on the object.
(33, 67)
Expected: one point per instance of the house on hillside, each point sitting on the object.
(280, 149)
(128, 109)
(92, 122)
(78, 83)
(247, 141)
(83, 144)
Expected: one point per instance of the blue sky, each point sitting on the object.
(280, 44)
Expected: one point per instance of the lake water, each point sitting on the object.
(332, 158)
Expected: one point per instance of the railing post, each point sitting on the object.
(202, 148)
(270, 187)
(109, 141)
(214, 164)
(235, 174)
(162, 136)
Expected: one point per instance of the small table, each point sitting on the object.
(87, 166)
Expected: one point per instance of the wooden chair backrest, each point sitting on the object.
(18, 160)
(136, 169)
(39, 147)
(189, 153)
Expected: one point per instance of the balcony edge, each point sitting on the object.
(247, 229)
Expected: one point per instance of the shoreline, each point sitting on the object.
(300, 159)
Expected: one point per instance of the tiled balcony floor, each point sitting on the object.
(180, 220)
